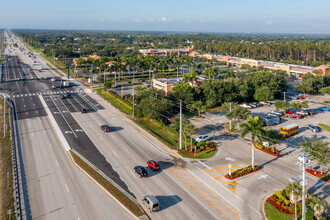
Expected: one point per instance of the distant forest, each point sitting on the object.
(312, 50)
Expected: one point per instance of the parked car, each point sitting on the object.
(153, 165)
(105, 128)
(290, 112)
(203, 137)
(263, 103)
(269, 103)
(323, 108)
(294, 115)
(245, 106)
(314, 128)
(141, 171)
(256, 104)
(252, 105)
(309, 111)
(270, 114)
(300, 97)
(83, 110)
(276, 113)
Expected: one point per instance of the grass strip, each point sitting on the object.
(325, 127)
(6, 184)
(121, 197)
(202, 155)
(272, 213)
(116, 102)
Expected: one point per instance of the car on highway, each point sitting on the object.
(203, 137)
(105, 128)
(314, 128)
(53, 79)
(68, 95)
(83, 110)
(141, 171)
(294, 115)
(62, 96)
(153, 165)
(323, 108)
(151, 202)
(54, 86)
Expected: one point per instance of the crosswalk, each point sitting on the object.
(47, 93)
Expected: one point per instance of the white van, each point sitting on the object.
(152, 203)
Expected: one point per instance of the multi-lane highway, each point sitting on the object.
(54, 190)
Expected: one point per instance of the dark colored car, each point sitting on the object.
(68, 94)
(61, 86)
(62, 96)
(141, 171)
(83, 110)
(153, 165)
(105, 128)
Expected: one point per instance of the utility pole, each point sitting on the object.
(133, 102)
(303, 189)
(53, 57)
(180, 124)
(121, 91)
(230, 119)
(4, 118)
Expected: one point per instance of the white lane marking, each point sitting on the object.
(115, 154)
(45, 133)
(262, 176)
(24, 105)
(57, 163)
(67, 189)
(204, 165)
(50, 145)
(26, 113)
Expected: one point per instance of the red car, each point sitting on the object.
(153, 165)
(293, 115)
(300, 97)
(290, 112)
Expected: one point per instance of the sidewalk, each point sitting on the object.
(149, 137)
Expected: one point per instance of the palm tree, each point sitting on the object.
(295, 189)
(192, 130)
(253, 126)
(318, 205)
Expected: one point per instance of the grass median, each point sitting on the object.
(325, 127)
(6, 184)
(116, 102)
(121, 197)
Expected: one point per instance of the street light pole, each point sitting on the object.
(303, 189)
(133, 102)
(180, 124)
(230, 111)
(4, 118)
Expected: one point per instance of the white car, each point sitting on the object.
(203, 137)
(245, 106)
(276, 113)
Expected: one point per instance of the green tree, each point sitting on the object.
(318, 150)
(299, 105)
(253, 126)
(191, 77)
(211, 72)
(295, 190)
(318, 205)
(192, 130)
(325, 90)
(198, 106)
(282, 105)
(263, 94)
(108, 84)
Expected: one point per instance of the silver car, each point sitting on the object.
(314, 128)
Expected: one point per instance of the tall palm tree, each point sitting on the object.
(253, 126)
(192, 130)
(295, 189)
(318, 205)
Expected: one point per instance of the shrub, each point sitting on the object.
(285, 200)
(258, 145)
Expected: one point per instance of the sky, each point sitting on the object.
(248, 16)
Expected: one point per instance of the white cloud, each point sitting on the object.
(163, 18)
(138, 20)
(151, 19)
(101, 20)
(269, 22)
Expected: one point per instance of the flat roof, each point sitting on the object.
(289, 126)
